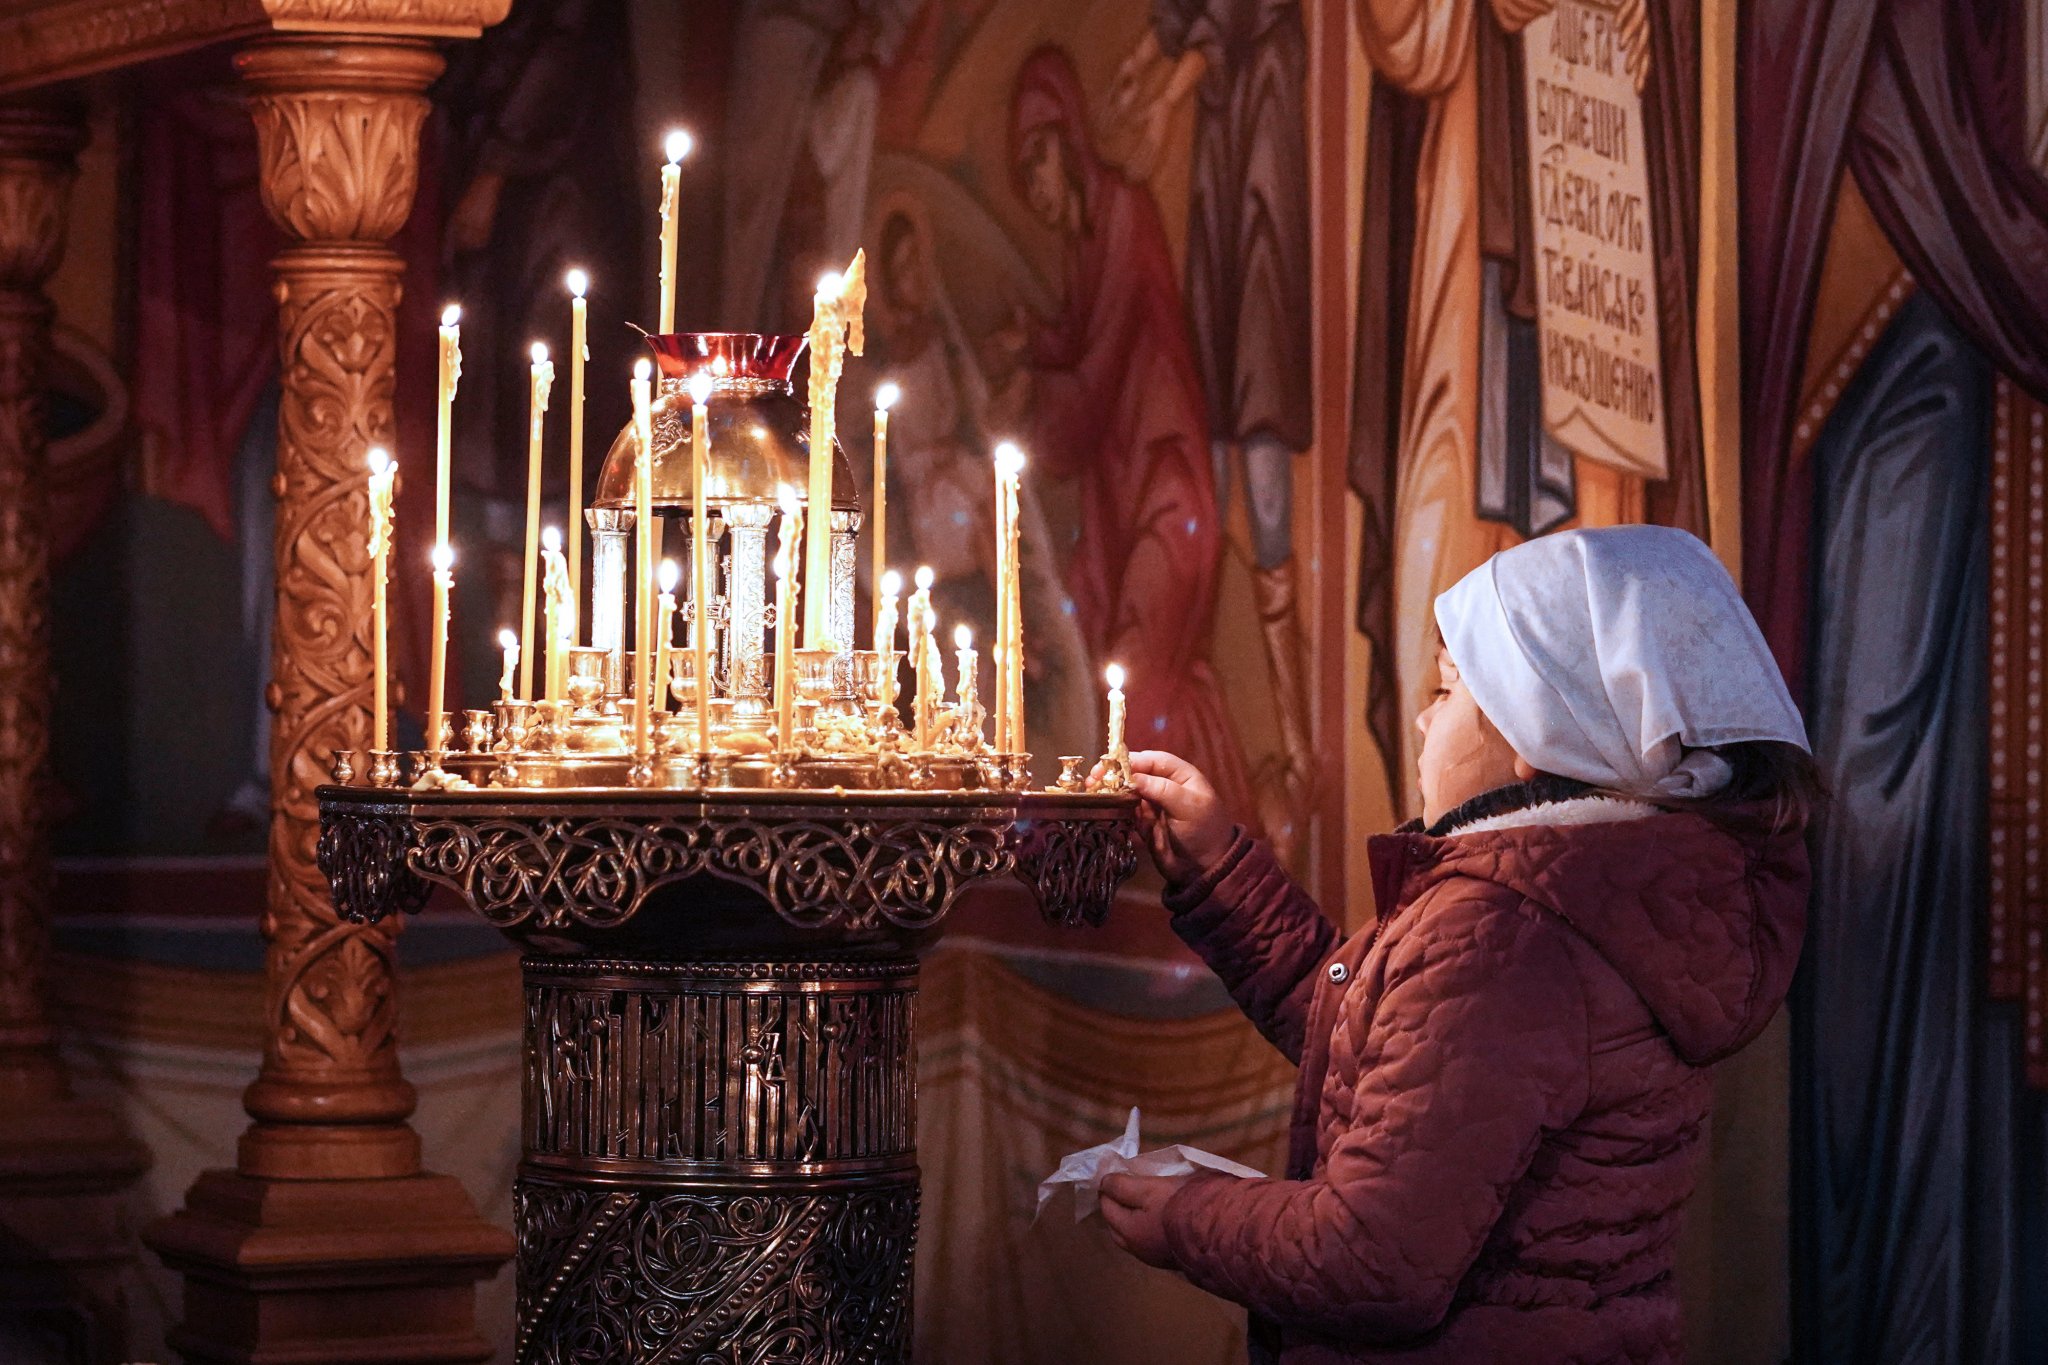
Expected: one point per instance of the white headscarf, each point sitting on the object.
(1606, 655)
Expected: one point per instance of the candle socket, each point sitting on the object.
(515, 718)
(414, 767)
(344, 770)
(586, 684)
(383, 768)
(1116, 771)
(440, 735)
(1071, 778)
(477, 737)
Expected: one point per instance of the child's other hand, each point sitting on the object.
(1184, 823)
(1134, 1206)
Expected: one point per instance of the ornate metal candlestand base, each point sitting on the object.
(720, 1108)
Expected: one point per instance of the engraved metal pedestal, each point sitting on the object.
(720, 1107)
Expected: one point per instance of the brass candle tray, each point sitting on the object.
(565, 861)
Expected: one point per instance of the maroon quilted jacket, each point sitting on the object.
(1503, 1088)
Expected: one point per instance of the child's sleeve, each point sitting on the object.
(1261, 934)
(1475, 1047)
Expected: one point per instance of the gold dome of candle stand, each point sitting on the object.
(719, 1150)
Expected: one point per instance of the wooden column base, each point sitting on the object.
(343, 1272)
(66, 1231)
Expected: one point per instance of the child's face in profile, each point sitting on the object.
(1462, 754)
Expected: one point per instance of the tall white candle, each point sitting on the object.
(508, 640)
(676, 146)
(383, 473)
(543, 379)
(579, 356)
(643, 576)
(1116, 751)
(965, 684)
(700, 552)
(437, 666)
(444, 414)
(878, 500)
(885, 633)
(922, 656)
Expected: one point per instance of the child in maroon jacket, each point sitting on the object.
(1504, 1079)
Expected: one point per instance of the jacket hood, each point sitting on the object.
(1703, 920)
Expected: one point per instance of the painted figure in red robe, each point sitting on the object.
(1116, 404)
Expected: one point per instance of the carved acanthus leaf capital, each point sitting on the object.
(337, 128)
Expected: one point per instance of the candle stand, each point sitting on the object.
(719, 1142)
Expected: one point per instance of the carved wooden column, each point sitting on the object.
(64, 1163)
(328, 1239)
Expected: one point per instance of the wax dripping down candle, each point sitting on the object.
(579, 355)
(675, 147)
(966, 700)
(1116, 751)
(560, 615)
(508, 641)
(437, 657)
(922, 655)
(543, 379)
(383, 473)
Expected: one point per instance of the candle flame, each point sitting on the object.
(677, 145)
(507, 639)
(829, 284)
(963, 637)
(451, 315)
(578, 282)
(788, 498)
(643, 369)
(540, 353)
(1009, 460)
(700, 388)
(380, 460)
(551, 539)
(886, 396)
(892, 583)
(925, 578)
(1115, 676)
(668, 575)
(443, 557)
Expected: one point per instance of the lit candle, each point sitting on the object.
(451, 374)
(579, 356)
(437, 665)
(1118, 754)
(885, 633)
(643, 577)
(787, 547)
(668, 576)
(922, 656)
(700, 552)
(560, 614)
(383, 472)
(543, 379)
(676, 148)
(878, 503)
(836, 332)
(508, 640)
(965, 697)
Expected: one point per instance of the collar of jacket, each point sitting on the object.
(1545, 799)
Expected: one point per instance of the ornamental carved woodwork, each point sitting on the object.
(60, 39)
(38, 147)
(338, 128)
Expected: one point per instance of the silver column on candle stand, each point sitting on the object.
(611, 534)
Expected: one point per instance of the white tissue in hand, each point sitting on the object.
(1084, 1169)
